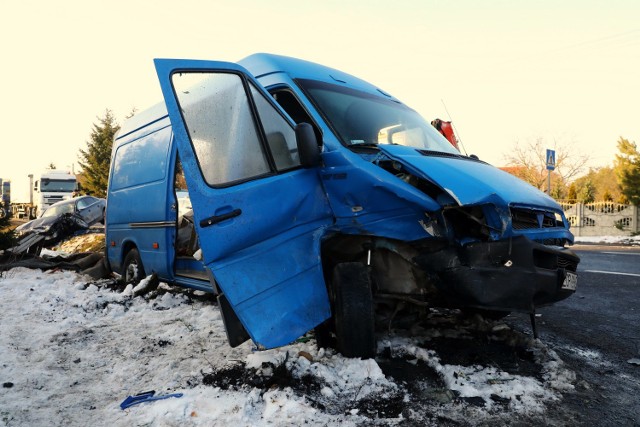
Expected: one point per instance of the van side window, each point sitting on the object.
(280, 135)
(221, 126)
(289, 103)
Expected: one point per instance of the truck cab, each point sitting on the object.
(51, 187)
(318, 200)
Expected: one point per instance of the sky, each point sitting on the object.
(505, 72)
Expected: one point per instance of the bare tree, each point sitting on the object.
(528, 162)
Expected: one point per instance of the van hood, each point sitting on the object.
(469, 181)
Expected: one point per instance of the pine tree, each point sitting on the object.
(572, 194)
(604, 182)
(587, 194)
(96, 159)
(627, 167)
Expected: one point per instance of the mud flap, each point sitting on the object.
(236, 333)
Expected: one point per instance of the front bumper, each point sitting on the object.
(515, 274)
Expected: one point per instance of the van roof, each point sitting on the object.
(147, 117)
(260, 65)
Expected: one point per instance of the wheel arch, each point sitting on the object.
(378, 253)
(127, 245)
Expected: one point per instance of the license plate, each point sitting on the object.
(570, 281)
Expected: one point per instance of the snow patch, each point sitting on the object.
(73, 351)
(627, 240)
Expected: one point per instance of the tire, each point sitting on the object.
(132, 269)
(353, 311)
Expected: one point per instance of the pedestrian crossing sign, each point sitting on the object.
(551, 159)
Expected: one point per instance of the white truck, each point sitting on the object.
(52, 186)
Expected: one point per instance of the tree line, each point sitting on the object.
(618, 183)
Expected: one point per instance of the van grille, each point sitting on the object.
(527, 219)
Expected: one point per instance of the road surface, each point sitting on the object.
(597, 333)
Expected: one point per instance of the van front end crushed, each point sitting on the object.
(501, 241)
(503, 257)
(512, 274)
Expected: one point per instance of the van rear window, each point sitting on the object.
(141, 161)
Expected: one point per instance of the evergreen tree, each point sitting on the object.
(587, 194)
(627, 167)
(558, 191)
(603, 179)
(572, 194)
(95, 160)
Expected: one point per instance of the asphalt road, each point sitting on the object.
(597, 333)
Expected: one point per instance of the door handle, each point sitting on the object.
(219, 218)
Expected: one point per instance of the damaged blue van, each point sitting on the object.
(304, 197)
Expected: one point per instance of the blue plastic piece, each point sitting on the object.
(147, 396)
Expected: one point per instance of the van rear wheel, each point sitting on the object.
(353, 311)
(133, 270)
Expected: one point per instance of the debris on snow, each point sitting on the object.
(74, 348)
(147, 396)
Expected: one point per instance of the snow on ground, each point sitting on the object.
(621, 240)
(72, 350)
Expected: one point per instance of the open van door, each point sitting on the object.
(259, 214)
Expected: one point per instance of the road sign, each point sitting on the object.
(551, 159)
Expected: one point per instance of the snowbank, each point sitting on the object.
(619, 240)
(73, 350)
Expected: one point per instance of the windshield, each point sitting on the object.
(360, 118)
(57, 185)
(58, 210)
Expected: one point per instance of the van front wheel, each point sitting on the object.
(353, 311)
(132, 270)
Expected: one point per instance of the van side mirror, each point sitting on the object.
(308, 149)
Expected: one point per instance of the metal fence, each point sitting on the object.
(601, 218)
